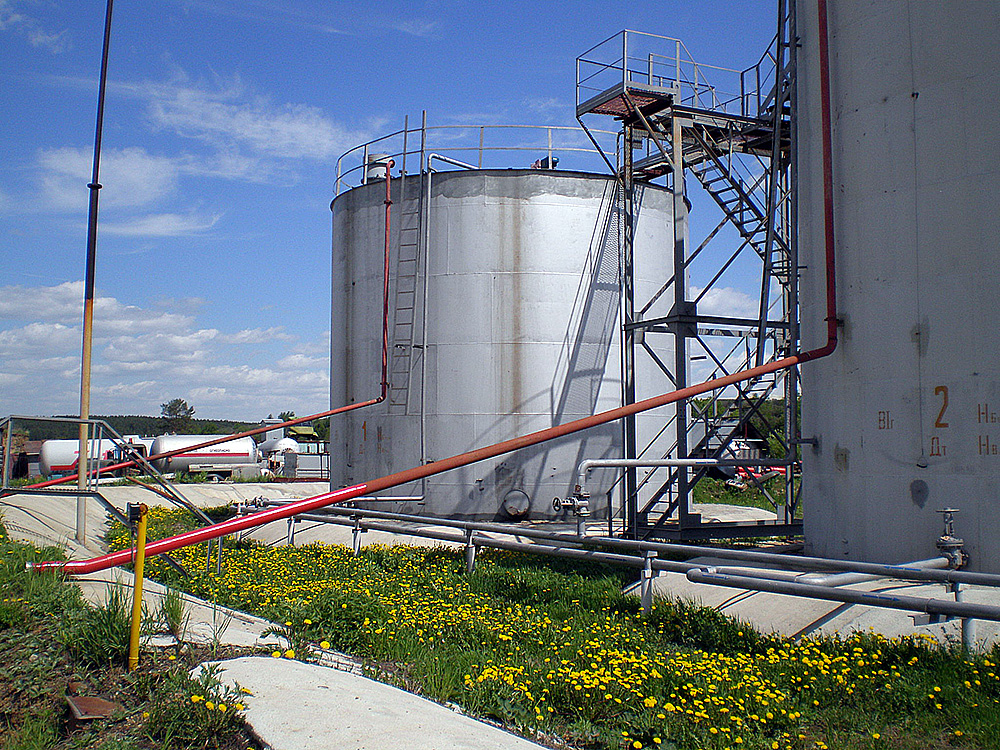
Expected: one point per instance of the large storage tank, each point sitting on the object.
(907, 410)
(522, 316)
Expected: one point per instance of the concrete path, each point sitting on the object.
(298, 706)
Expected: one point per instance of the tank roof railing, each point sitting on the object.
(663, 63)
(410, 143)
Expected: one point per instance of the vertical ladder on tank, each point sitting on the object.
(404, 308)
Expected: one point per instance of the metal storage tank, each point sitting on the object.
(522, 294)
(907, 409)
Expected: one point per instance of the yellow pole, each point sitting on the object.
(140, 559)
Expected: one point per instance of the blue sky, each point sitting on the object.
(224, 121)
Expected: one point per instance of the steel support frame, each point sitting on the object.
(779, 332)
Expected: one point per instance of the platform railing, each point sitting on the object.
(665, 63)
(489, 146)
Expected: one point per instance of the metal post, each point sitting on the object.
(402, 167)
(140, 558)
(218, 556)
(8, 442)
(83, 467)
(646, 582)
(290, 539)
(470, 553)
(680, 333)
(968, 624)
(628, 334)
(356, 536)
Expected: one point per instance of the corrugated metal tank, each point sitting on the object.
(907, 410)
(523, 311)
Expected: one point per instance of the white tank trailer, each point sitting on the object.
(223, 459)
(906, 412)
(62, 456)
(511, 327)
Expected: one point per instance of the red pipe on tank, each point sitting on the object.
(298, 420)
(437, 467)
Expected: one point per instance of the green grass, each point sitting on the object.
(554, 650)
(50, 637)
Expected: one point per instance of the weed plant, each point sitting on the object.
(555, 649)
(189, 712)
(49, 637)
(173, 613)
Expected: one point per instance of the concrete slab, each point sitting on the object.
(299, 706)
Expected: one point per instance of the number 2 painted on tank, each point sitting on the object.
(942, 391)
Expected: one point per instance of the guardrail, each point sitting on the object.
(489, 146)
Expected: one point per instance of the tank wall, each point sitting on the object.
(522, 317)
(905, 410)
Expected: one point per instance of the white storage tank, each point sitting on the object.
(907, 410)
(522, 317)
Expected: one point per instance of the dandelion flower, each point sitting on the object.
(276, 654)
(209, 705)
(324, 644)
(290, 653)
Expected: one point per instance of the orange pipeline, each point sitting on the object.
(392, 480)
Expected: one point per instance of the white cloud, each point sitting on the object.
(145, 356)
(726, 301)
(161, 225)
(63, 304)
(131, 176)
(31, 29)
(418, 27)
(301, 361)
(256, 336)
(38, 338)
(229, 117)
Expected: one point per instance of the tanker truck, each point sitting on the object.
(237, 458)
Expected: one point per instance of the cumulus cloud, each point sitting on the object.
(145, 356)
(63, 304)
(726, 301)
(256, 336)
(234, 120)
(132, 177)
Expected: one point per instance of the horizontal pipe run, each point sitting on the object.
(846, 579)
(847, 596)
(640, 463)
(441, 536)
(480, 540)
(922, 571)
